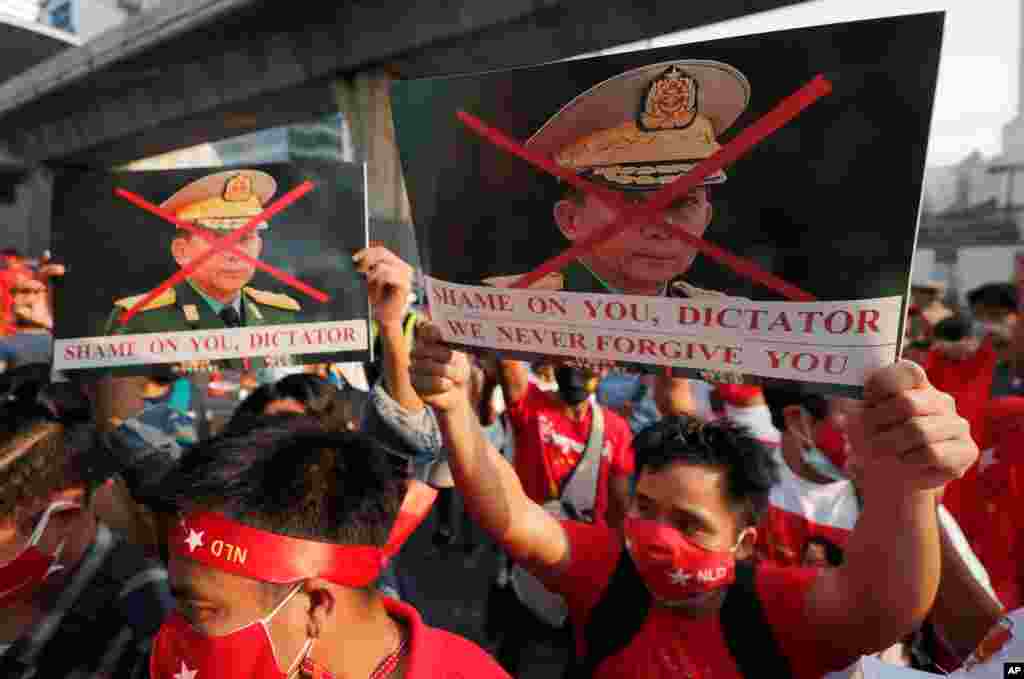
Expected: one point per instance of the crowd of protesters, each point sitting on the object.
(650, 526)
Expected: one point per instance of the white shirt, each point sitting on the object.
(542, 385)
(758, 419)
(701, 392)
(354, 374)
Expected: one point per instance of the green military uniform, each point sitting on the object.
(218, 203)
(577, 277)
(183, 308)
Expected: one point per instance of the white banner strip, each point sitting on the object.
(175, 347)
(830, 342)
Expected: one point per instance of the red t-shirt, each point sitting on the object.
(549, 444)
(436, 654)
(799, 510)
(7, 277)
(989, 499)
(969, 382)
(670, 646)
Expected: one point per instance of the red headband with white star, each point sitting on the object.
(216, 541)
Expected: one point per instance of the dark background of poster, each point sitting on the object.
(114, 249)
(829, 202)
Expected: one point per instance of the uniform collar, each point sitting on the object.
(599, 284)
(215, 305)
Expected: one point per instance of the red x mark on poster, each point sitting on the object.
(225, 244)
(650, 209)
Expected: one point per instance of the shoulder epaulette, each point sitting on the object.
(166, 298)
(274, 299)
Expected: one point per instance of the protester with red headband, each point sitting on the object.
(679, 596)
(281, 533)
(76, 599)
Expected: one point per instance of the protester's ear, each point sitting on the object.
(321, 605)
(565, 217)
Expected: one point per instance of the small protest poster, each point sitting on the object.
(735, 208)
(232, 268)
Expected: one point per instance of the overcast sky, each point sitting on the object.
(978, 80)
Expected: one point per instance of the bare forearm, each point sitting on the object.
(396, 368)
(489, 485)
(964, 610)
(494, 496)
(893, 562)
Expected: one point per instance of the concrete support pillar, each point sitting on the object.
(365, 102)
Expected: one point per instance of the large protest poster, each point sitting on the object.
(791, 261)
(231, 268)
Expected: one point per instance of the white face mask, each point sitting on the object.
(821, 464)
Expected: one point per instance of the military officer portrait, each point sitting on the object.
(635, 133)
(217, 294)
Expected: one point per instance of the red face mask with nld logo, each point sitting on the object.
(676, 570)
(22, 576)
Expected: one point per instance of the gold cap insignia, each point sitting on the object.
(647, 126)
(671, 101)
(238, 188)
(223, 201)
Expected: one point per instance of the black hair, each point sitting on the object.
(48, 441)
(320, 398)
(833, 552)
(751, 470)
(780, 394)
(288, 475)
(999, 295)
(952, 329)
